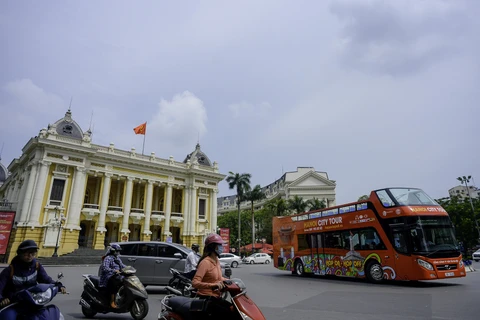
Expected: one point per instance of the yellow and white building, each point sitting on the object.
(89, 195)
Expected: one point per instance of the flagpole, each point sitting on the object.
(143, 148)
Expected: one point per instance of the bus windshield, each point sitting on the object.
(429, 235)
(412, 197)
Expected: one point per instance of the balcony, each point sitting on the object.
(176, 218)
(157, 217)
(90, 210)
(136, 215)
(114, 213)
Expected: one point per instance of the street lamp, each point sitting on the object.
(58, 222)
(466, 180)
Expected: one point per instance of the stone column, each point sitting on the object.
(78, 194)
(193, 209)
(38, 194)
(28, 194)
(127, 205)
(148, 208)
(168, 210)
(107, 181)
(139, 193)
(213, 211)
(186, 210)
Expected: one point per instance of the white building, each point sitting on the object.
(462, 192)
(95, 194)
(305, 182)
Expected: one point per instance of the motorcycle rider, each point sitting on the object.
(110, 272)
(192, 262)
(23, 272)
(208, 280)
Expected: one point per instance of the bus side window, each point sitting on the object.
(333, 240)
(319, 240)
(369, 240)
(399, 241)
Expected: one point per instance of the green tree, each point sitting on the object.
(278, 206)
(230, 220)
(316, 204)
(256, 194)
(297, 204)
(460, 213)
(272, 208)
(241, 182)
(364, 197)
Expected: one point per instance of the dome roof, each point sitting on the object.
(68, 127)
(201, 157)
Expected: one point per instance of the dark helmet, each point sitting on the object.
(213, 238)
(27, 245)
(115, 247)
(195, 246)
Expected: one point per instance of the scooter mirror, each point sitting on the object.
(59, 275)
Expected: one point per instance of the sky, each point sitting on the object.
(375, 93)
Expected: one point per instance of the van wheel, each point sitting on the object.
(139, 309)
(299, 271)
(251, 261)
(234, 264)
(88, 313)
(374, 272)
(476, 260)
(267, 261)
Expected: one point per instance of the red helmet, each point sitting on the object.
(213, 238)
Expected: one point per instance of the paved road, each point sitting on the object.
(283, 296)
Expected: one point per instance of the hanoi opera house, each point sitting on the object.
(89, 195)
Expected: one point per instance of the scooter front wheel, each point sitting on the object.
(139, 309)
(89, 313)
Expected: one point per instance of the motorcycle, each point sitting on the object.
(175, 307)
(33, 302)
(131, 297)
(181, 283)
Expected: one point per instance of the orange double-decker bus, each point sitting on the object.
(397, 234)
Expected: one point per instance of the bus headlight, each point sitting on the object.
(460, 265)
(425, 264)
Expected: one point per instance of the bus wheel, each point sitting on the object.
(299, 268)
(374, 272)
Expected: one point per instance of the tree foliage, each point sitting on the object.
(362, 198)
(460, 212)
(316, 204)
(297, 204)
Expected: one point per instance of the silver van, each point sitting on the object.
(153, 260)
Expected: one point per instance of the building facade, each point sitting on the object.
(462, 192)
(85, 195)
(305, 182)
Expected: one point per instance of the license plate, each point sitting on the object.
(449, 274)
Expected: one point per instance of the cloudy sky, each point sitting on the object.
(375, 93)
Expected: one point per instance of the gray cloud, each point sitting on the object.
(375, 93)
(400, 37)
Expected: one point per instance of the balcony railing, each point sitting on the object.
(156, 212)
(7, 206)
(136, 210)
(177, 214)
(115, 209)
(90, 206)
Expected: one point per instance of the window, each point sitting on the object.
(385, 198)
(166, 251)
(129, 249)
(56, 194)
(201, 208)
(147, 250)
(302, 242)
(333, 240)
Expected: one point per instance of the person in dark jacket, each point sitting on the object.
(110, 270)
(27, 272)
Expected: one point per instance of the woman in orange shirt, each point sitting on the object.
(209, 280)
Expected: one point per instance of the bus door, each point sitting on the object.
(319, 253)
(400, 261)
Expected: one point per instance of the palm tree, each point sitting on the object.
(316, 204)
(278, 206)
(364, 197)
(256, 194)
(241, 182)
(297, 204)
